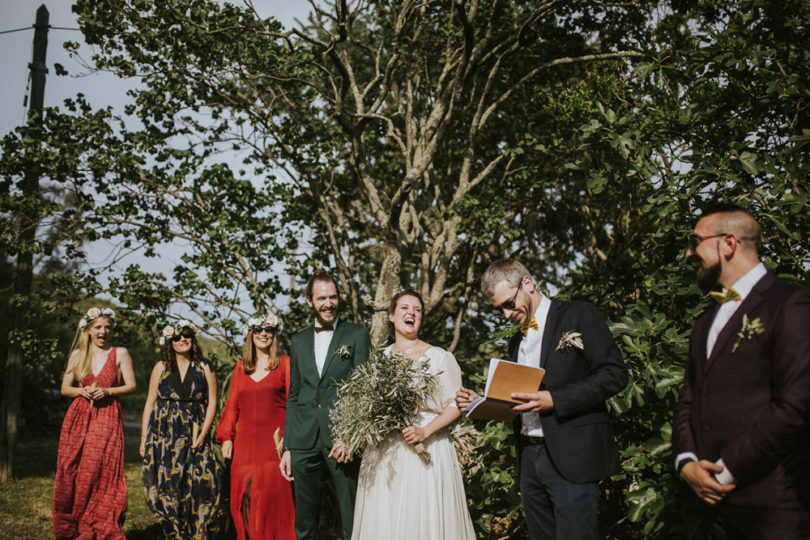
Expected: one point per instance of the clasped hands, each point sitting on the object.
(88, 392)
(699, 475)
(540, 401)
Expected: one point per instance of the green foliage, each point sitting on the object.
(409, 144)
(380, 398)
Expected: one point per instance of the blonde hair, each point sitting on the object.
(249, 354)
(508, 270)
(81, 343)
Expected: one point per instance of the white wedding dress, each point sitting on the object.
(398, 495)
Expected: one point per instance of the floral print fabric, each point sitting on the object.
(181, 484)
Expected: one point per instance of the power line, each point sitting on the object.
(32, 26)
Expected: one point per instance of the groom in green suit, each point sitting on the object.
(321, 356)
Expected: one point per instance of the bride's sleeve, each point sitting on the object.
(449, 380)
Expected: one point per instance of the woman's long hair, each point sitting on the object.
(169, 357)
(249, 354)
(81, 343)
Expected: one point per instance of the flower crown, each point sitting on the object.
(262, 320)
(94, 313)
(171, 330)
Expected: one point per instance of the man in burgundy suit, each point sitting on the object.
(740, 435)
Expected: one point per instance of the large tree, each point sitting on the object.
(379, 129)
(405, 143)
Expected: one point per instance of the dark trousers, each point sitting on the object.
(308, 467)
(555, 508)
(757, 523)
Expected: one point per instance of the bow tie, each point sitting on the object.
(327, 328)
(728, 296)
(531, 324)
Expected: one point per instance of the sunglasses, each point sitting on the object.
(186, 333)
(696, 239)
(509, 304)
(268, 329)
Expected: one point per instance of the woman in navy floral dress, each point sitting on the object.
(179, 469)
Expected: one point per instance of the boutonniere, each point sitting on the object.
(749, 329)
(344, 351)
(570, 339)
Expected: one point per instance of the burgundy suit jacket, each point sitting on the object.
(751, 405)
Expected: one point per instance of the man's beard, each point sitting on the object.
(708, 276)
(322, 321)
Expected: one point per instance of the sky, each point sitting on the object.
(101, 89)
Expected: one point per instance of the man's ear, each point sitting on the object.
(730, 245)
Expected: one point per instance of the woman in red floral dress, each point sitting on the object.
(251, 429)
(90, 491)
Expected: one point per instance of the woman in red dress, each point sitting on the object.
(261, 499)
(90, 491)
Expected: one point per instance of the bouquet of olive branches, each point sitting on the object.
(380, 397)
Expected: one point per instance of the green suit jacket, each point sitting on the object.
(312, 396)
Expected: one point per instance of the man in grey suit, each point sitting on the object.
(321, 356)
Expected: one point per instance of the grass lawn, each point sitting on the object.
(25, 502)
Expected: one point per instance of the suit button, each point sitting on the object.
(705, 391)
(705, 426)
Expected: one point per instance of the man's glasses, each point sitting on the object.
(268, 329)
(509, 304)
(186, 333)
(697, 239)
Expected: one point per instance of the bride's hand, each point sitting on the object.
(414, 434)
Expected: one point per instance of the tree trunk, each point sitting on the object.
(387, 285)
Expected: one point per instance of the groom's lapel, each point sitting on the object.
(337, 338)
(307, 365)
(552, 320)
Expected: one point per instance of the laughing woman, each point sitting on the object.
(90, 491)
(399, 497)
(261, 499)
(179, 469)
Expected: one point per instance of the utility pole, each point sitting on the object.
(24, 272)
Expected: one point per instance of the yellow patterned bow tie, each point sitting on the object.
(728, 296)
(531, 324)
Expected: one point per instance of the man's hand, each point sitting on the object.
(340, 452)
(535, 401)
(699, 475)
(285, 466)
(464, 397)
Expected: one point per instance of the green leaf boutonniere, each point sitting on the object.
(749, 329)
(344, 351)
(570, 339)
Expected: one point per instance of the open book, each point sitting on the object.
(503, 379)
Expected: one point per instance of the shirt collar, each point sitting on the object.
(334, 325)
(541, 313)
(747, 282)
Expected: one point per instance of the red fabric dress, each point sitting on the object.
(90, 491)
(261, 499)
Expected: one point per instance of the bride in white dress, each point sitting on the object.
(398, 495)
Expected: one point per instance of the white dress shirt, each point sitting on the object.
(529, 355)
(727, 309)
(322, 341)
